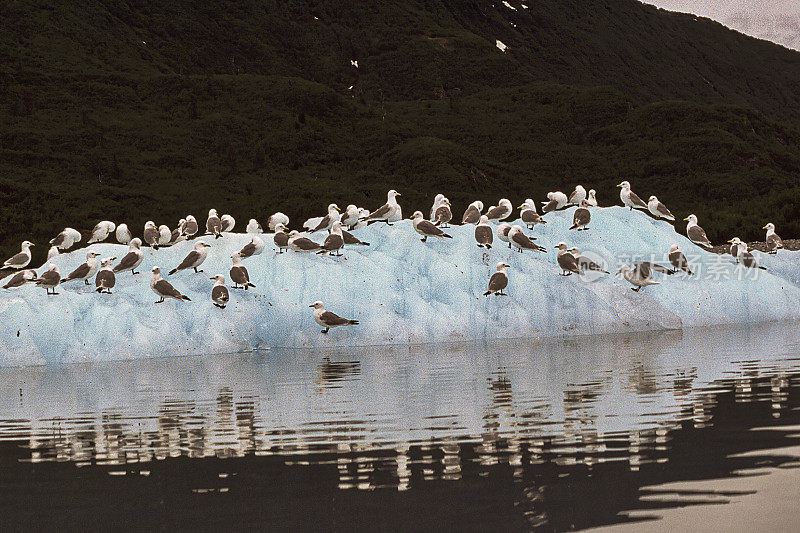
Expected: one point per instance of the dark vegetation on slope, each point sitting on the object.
(134, 110)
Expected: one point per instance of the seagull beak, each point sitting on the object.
(212, 278)
(619, 185)
(398, 194)
(730, 240)
(338, 209)
(312, 305)
(764, 227)
(687, 218)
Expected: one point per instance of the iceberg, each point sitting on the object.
(401, 290)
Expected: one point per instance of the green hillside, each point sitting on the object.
(134, 111)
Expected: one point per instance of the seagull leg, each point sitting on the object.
(637, 289)
(424, 238)
(325, 331)
(133, 272)
(86, 281)
(161, 300)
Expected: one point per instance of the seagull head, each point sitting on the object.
(692, 219)
(574, 251)
(333, 207)
(392, 194)
(736, 240)
(501, 265)
(106, 261)
(561, 246)
(280, 228)
(136, 242)
(653, 198)
(417, 215)
(317, 305)
(529, 203)
(484, 220)
(149, 224)
(592, 193)
(92, 255)
(190, 218)
(156, 271)
(769, 227)
(673, 248)
(199, 245)
(219, 278)
(478, 205)
(623, 269)
(624, 185)
(212, 212)
(27, 244)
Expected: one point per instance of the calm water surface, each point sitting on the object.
(512, 435)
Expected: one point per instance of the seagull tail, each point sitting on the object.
(446, 236)
(185, 298)
(574, 226)
(352, 322)
(171, 272)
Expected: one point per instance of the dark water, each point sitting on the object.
(556, 435)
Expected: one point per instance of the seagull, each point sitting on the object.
(498, 281)
(239, 274)
(592, 200)
(773, 241)
(388, 212)
(66, 238)
(325, 223)
(333, 242)
(22, 259)
(443, 214)
(190, 227)
(214, 224)
(123, 234)
(734, 248)
(132, 259)
(177, 234)
(473, 213)
(678, 260)
(228, 223)
(556, 200)
(101, 231)
(219, 292)
(696, 233)
(164, 235)
(522, 241)
(501, 211)
(85, 270)
(426, 228)
(483, 233)
(275, 219)
(281, 238)
(437, 202)
(164, 288)
(629, 198)
(105, 278)
(50, 279)
(193, 259)
(351, 216)
(151, 234)
(639, 276)
(582, 217)
(578, 195)
(352, 240)
(584, 263)
(659, 210)
(52, 252)
(254, 247)
(529, 215)
(254, 227)
(329, 320)
(20, 278)
(744, 256)
(299, 243)
(502, 232)
(567, 261)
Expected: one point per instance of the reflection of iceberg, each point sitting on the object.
(568, 393)
(400, 289)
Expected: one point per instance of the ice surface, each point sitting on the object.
(400, 289)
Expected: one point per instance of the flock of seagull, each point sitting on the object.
(569, 260)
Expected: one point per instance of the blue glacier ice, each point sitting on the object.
(401, 290)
